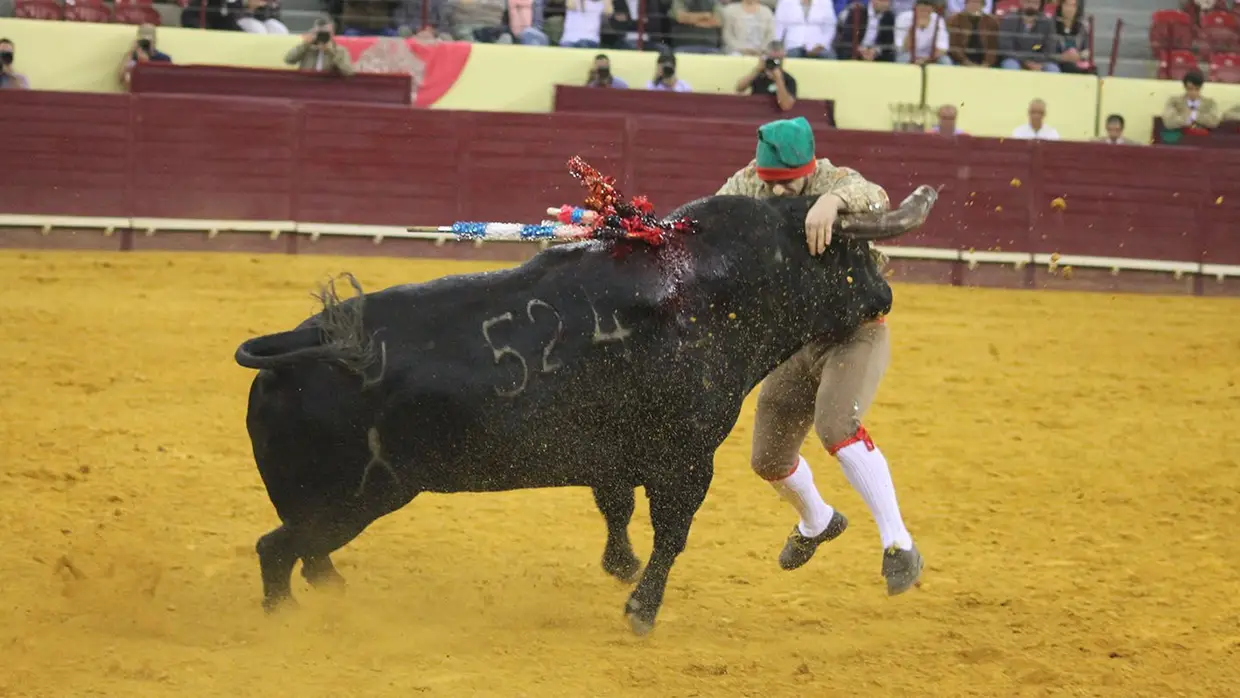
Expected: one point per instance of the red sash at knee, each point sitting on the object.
(862, 436)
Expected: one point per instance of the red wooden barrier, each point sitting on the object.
(231, 81)
(238, 159)
(694, 105)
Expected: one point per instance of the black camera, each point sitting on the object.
(322, 37)
(773, 63)
(603, 72)
(6, 57)
(667, 70)
(145, 45)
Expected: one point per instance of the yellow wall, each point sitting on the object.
(1138, 101)
(75, 56)
(993, 102)
(493, 81)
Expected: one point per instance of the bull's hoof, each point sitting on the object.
(330, 581)
(274, 603)
(639, 623)
(627, 568)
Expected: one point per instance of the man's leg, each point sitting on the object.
(850, 377)
(785, 413)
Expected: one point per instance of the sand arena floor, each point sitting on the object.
(1068, 464)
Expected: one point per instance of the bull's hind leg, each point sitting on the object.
(672, 506)
(616, 504)
(276, 558)
(321, 573)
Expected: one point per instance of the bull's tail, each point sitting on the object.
(338, 335)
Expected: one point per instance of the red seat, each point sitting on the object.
(38, 9)
(1221, 31)
(1177, 64)
(86, 11)
(1225, 67)
(1049, 9)
(1170, 30)
(1003, 7)
(133, 13)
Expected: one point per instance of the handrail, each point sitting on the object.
(1119, 29)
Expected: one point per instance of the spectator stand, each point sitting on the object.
(97, 11)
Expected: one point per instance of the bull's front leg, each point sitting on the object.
(616, 504)
(672, 506)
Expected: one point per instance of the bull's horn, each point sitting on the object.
(909, 215)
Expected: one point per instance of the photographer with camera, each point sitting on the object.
(318, 52)
(665, 76)
(142, 50)
(769, 78)
(9, 78)
(600, 74)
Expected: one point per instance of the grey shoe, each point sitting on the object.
(799, 549)
(902, 568)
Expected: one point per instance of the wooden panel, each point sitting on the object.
(196, 157)
(675, 161)
(65, 153)
(748, 109)
(231, 81)
(1220, 210)
(1121, 202)
(377, 165)
(517, 164)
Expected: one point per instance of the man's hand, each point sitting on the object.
(820, 220)
(868, 54)
(1033, 65)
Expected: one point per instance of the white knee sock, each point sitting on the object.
(798, 489)
(867, 471)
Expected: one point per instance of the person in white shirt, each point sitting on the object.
(583, 22)
(1036, 129)
(807, 27)
(922, 36)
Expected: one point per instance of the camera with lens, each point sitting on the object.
(322, 37)
(773, 63)
(145, 45)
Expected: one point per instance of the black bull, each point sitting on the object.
(609, 365)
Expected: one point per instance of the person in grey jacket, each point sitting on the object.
(1027, 39)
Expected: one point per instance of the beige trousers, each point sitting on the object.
(828, 387)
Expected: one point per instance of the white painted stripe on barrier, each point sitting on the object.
(1220, 271)
(1017, 258)
(1121, 263)
(443, 234)
(903, 252)
(48, 222)
(191, 224)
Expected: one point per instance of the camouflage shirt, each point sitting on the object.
(858, 193)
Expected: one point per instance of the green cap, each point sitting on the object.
(785, 149)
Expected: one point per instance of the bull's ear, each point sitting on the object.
(910, 215)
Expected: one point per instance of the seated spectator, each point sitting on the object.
(220, 14)
(1073, 35)
(553, 20)
(695, 26)
(408, 19)
(366, 18)
(806, 27)
(525, 22)
(583, 22)
(872, 27)
(748, 27)
(955, 7)
(600, 74)
(10, 79)
(769, 78)
(318, 51)
(947, 122)
(1191, 110)
(620, 29)
(142, 50)
(974, 36)
(1027, 39)
(921, 36)
(262, 17)
(665, 76)
(1036, 129)
(1115, 132)
(480, 21)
